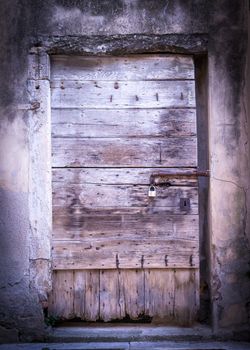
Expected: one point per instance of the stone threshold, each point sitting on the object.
(127, 333)
(160, 345)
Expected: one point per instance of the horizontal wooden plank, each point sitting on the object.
(118, 176)
(125, 122)
(124, 254)
(121, 94)
(98, 196)
(70, 225)
(125, 152)
(133, 67)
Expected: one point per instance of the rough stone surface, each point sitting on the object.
(229, 165)
(217, 28)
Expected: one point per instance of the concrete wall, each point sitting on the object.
(229, 165)
(74, 25)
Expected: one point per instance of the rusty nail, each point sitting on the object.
(166, 260)
(142, 261)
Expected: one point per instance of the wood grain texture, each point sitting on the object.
(130, 94)
(186, 289)
(79, 292)
(159, 295)
(124, 152)
(129, 254)
(133, 292)
(165, 295)
(111, 305)
(95, 226)
(98, 196)
(80, 123)
(116, 252)
(61, 300)
(118, 176)
(92, 296)
(132, 67)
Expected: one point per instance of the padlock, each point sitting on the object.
(152, 191)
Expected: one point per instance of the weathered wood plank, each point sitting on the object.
(62, 297)
(118, 176)
(92, 295)
(185, 295)
(80, 123)
(111, 307)
(121, 94)
(159, 294)
(69, 225)
(124, 113)
(133, 292)
(79, 293)
(125, 152)
(124, 254)
(98, 196)
(169, 296)
(133, 67)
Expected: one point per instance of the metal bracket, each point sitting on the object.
(166, 260)
(163, 178)
(191, 262)
(142, 261)
(117, 261)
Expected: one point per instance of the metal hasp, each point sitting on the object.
(163, 178)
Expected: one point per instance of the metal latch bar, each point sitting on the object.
(163, 177)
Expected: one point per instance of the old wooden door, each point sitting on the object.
(117, 252)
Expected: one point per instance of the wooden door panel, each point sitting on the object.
(116, 252)
(69, 225)
(130, 152)
(160, 67)
(130, 254)
(165, 295)
(110, 123)
(123, 94)
(88, 196)
(118, 176)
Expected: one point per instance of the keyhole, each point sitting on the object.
(184, 204)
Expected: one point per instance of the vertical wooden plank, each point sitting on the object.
(185, 297)
(111, 300)
(79, 293)
(159, 294)
(132, 289)
(92, 290)
(62, 298)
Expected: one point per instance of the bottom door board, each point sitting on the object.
(168, 296)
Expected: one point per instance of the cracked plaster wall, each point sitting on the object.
(229, 165)
(24, 268)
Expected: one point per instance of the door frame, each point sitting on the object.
(39, 109)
